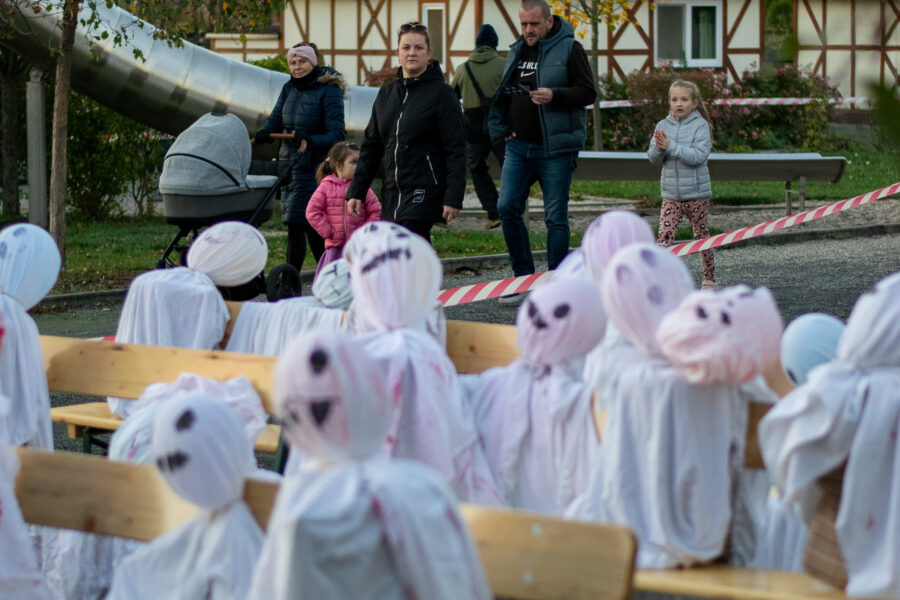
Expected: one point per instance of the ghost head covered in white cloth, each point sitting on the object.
(849, 410)
(534, 415)
(181, 307)
(728, 336)
(396, 518)
(809, 341)
(332, 286)
(200, 447)
(656, 419)
(29, 265)
(395, 276)
(609, 233)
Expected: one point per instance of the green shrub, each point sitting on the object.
(273, 63)
(735, 128)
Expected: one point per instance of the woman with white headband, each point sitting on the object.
(201, 449)
(311, 107)
(181, 307)
(395, 276)
(848, 414)
(534, 415)
(353, 523)
(29, 265)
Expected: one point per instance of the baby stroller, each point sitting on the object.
(206, 179)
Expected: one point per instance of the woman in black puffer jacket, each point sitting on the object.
(311, 106)
(416, 128)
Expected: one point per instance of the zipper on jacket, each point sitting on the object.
(396, 148)
(433, 176)
(677, 175)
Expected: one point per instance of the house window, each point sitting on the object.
(689, 33)
(433, 18)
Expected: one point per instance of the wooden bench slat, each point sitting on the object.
(525, 555)
(724, 581)
(475, 347)
(98, 416)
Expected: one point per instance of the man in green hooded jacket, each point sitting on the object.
(486, 68)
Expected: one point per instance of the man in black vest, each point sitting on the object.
(539, 111)
(475, 81)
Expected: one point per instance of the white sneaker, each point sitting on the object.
(512, 299)
(709, 284)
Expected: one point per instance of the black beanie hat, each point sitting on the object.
(486, 37)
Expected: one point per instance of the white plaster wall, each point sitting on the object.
(806, 33)
(747, 33)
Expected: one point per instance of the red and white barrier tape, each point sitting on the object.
(753, 101)
(514, 285)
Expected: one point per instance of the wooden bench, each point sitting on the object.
(125, 370)
(525, 555)
(769, 166)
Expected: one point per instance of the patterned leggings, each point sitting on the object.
(670, 215)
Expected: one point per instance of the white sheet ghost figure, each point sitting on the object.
(849, 411)
(669, 446)
(605, 236)
(809, 341)
(353, 523)
(20, 577)
(332, 287)
(395, 276)
(534, 415)
(29, 265)
(181, 307)
(724, 341)
(201, 449)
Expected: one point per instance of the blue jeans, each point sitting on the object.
(524, 164)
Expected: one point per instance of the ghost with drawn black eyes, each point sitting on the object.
(200, 448)
(534, 415)
(657, 418)
(395, 276)
(395, 519)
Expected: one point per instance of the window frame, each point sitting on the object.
(687, 40)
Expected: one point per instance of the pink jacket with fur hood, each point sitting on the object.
(327, 211)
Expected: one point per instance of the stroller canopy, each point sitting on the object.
(211, 158)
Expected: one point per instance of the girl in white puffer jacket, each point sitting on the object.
(681, 144)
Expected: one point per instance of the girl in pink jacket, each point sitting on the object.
(327, 209)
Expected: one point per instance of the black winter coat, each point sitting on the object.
(416, 129)
(318, 111)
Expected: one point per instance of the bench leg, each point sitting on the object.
(787, 197)
(802, 194)
(86, 437)
(281, 455)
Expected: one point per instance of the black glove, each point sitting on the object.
(300, 135)
(262, 136)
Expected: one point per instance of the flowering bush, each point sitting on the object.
(735, 128)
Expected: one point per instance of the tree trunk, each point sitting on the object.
(61, 126)
(9, 88)
(595, 67)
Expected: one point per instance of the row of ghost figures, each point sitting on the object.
(386, 437)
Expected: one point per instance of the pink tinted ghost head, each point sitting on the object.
(729, 336)
(871, 338)
(559, 321)
(609, 233)
(642, 283)
(395, 276)
(332, 398)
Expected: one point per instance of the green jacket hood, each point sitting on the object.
(483, 54)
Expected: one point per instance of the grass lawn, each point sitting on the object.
(107, 255)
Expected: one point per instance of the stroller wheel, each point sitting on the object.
(246, 291)
(283, 282)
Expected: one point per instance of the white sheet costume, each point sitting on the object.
(267, 327)
(534, 415)
(202, 451)
(672, 449)
(20, 577)
(353, 523)
(181, 307)
(395, 276)
(605, 236)
(849, 410)
(29, 265)
(80, 566)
